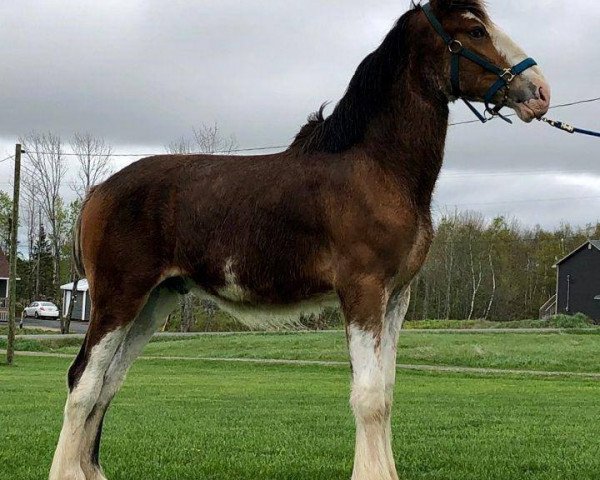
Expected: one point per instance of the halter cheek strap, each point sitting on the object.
(505, 76)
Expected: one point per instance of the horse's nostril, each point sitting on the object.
(544, 93)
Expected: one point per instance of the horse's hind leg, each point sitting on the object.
(160, 304)
(86, 377)
(112, 315)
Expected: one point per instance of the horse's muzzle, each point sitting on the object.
(530, 98)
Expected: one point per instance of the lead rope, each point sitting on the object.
(565, 127)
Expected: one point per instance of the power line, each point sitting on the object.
(275, 147)
(235, 150)
(554, 107)
(450, 175)
(444, 175)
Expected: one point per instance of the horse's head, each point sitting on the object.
(469, 29)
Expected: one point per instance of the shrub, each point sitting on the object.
(578, 320)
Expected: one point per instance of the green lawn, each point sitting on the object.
(561, 352)
(26, 331)
(202, 420)
(528, 351)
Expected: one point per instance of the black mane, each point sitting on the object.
(369, 88)
(365, 97)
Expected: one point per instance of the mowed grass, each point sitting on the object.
(564, 352)
(208, 420)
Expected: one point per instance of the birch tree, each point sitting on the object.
(94, 157)
(94, 165)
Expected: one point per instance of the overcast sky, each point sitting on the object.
(142, 73)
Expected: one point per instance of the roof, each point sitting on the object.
(82, 286)
(4, 267)
(590, 243)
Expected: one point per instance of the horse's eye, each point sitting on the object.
(477, 32)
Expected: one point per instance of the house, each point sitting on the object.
(4, 269)
(82, 305)
(578, 281)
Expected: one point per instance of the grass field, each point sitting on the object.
(25, 331)
(178, 419)
(577, 352)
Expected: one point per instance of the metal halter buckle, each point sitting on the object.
(507, 75)
(455, 46)
(489, 114)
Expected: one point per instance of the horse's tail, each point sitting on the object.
(77, 254)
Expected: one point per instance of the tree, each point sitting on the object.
(47, 166)
(5, 213)
(42, 253)
(496, 270)
(94, 156)
(69, 217)
(205, 139)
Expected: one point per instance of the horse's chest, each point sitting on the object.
(413, 257)
(420, 248)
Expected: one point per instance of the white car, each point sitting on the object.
(41, 309)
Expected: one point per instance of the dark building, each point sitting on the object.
(578, 281)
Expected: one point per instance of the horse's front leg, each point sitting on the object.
(370, 337)
(394, 317)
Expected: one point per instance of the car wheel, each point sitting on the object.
(36, 314)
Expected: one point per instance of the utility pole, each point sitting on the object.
(12, 282)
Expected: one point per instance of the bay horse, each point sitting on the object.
(342, 215)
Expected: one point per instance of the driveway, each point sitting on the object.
(76, 327)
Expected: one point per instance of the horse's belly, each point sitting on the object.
(257, 315)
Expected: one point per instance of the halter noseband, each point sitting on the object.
(505, 76)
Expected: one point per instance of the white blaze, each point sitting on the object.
(507, 48)
(513, 53)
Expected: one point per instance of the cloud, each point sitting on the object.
(142, 73)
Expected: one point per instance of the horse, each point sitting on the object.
(342, 216)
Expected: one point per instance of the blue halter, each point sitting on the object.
(505, 76)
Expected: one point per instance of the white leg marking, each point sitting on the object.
(159, 305)
(80, 402)
(394, 317)
(372, 459)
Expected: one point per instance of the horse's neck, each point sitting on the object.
(409, 139)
